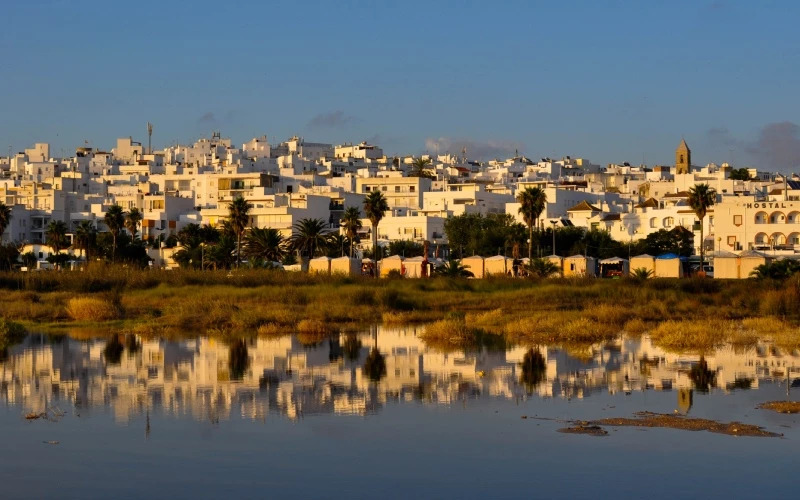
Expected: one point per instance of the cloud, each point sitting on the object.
(207, 118)
(331, 120)
(777, 145)
(477, 150)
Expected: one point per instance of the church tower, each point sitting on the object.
(683, 158)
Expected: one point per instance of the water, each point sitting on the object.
(201, 418)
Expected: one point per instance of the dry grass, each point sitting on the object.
(92, 309)
(449, 334)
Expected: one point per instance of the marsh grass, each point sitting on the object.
(93, 309)
(260, 302)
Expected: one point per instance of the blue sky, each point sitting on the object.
(609, 81)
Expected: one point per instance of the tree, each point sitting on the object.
(375, 205)
(5, 218)
(239, 218)
(115, 220)
(9, 253)
(677, 240)
(265, 243)
(351, 223)
(335, 245)
(701, 198)
(419, 168)
(532, 203)
(310, 235)
(740, 174)
(85, 236)
(132, 220)
(406, 248)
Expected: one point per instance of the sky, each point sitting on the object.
(609, 81)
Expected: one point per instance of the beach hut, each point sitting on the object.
(643, 261)
(320, 265)
(558, 261)
(414, 267)
(579, 265)
(668, 265)
(749, 260)
(346, 266)
(615, 267)
(726, 265)
(392, 263)
(474, 265)
(498, 265)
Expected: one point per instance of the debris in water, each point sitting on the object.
(781, 406)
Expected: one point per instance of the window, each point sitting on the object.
(397, 189)
(737, 220)
(384, 188)
(731, 241)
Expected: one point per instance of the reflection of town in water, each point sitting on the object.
(210, 379)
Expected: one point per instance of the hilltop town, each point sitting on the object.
(178, 190)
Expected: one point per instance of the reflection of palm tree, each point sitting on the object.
(352, 347)
(533, 369)
(701, 376)
(375, 364)
(113, 350)
(238, 359)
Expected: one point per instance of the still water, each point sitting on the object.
(294, 417)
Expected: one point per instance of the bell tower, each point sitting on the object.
(683, 158)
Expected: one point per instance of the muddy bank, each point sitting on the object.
(781, 406)
(667, 421)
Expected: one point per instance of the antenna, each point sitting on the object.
(149, 138)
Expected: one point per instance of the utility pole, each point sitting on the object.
(149, 138)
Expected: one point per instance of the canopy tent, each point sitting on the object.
(346, 266)
(474, 265)
(644, 261)
(414, 267)
(579, 265)
(668, 265)
(615, 267)
(392, 263)
(498, 265)
(320, 265)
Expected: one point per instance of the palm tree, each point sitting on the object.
(115, 220)
(419, 168)
(5, 217)
(239, 217)
(532, 202)
(265, 243)
(453, 269)
(132, 220)
(375, 205)
(310, 235)
(351, 223)
(701, 198)
(85, 235)
(56, 235)
(541, 268)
